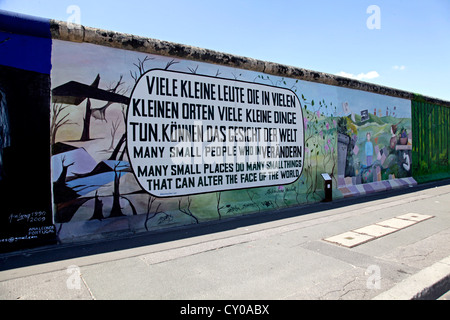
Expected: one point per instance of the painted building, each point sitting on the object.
(105, 133)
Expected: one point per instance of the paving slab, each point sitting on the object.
(375, 230)
(65, 284)
(397, 223)
(415, 217)
(349, 239)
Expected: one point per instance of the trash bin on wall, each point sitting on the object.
(328, 187)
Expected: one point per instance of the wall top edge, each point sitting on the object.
(59, 30)
(24, 24)
(78, 33)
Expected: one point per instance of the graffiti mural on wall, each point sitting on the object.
(370, 145)
(25, 214)
(225, 134)
(374, 146)
(142, 141)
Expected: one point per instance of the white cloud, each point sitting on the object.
(362, 76)
(401, 68)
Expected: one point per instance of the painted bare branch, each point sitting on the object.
(187, 209)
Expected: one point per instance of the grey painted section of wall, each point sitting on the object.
(78, 33)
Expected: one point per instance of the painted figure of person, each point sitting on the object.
(369, 150)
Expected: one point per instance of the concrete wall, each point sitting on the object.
(142, 134)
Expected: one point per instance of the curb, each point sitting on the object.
(428, 284)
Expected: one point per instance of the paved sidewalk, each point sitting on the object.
(284, 255)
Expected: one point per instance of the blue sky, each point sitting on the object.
(410, 50)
